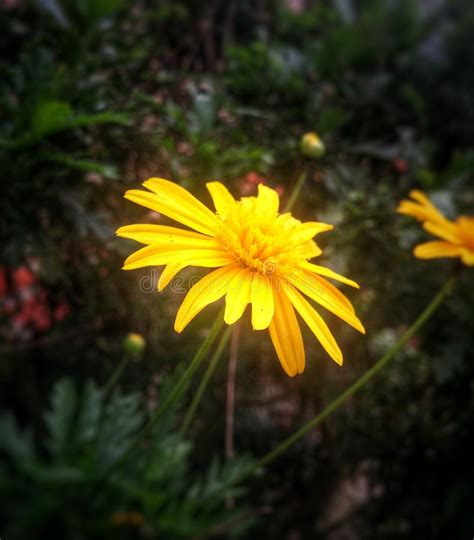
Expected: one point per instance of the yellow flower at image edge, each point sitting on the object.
(260, 257)
(457, 237)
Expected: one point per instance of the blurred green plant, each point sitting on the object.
(56, 484)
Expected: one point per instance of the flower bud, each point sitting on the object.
(134, 344)
(311, 145)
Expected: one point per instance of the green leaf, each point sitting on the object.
(89, 414)
(106, 170)
(50, 117)
(59, 419)
(98, 9)
(54, 116)
(99, 118)
(55, 474)
(14, 442)
(121, 419)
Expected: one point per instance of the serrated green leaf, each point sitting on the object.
(121, 419)
(89, 414)
(60, 418)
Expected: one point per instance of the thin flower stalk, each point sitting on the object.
(175, 394)
(367, 376)
(335, 405)
(205, 380)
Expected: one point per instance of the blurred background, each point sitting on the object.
(98, 95)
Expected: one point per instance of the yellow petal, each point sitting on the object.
(423, 209)
(326, 272)
(325, 286)
(412, 209)
(315, 323)
(287, 220)
(446, 231)
(160, 255)
(327, 296)
(420, 212)
(261, 295)
(169, 272)
(308, 250)
(159, 234)
(419, 196)
(180, 196)
(436, 250)
(308, 230)
(465, 227)
(467, 257)
(286, 335)
(268, 200)
(209, 289)
(424, 201)
(238, 296)
(223, 200)
(176, 203)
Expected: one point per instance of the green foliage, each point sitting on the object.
(15, 443)
(85, 497)
(55, 116)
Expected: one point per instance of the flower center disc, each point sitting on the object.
(253, 243)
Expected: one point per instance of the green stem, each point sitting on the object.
(117, 373)
(336, 403)
(176, 393)
(205, 380)
(186, 377)
(296, 190)
(383, 361)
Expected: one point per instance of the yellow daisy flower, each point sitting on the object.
(457, 237)
(261, 257)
